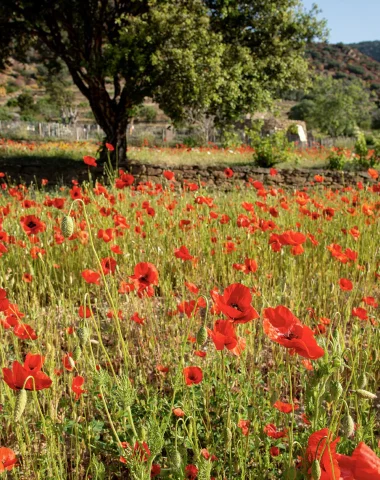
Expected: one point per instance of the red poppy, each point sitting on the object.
(76, 386)
(91, 161)
(136, 318)
(183, 253)
(235, 303)
(4, 302)
(285, 407)
(108, 265)
(68, 362)
(7, 459)
(191, 472)
(24, 331)
(193, 375)
(363, 464)
(271, 431)
(145, 274)
(27, 277)
(110, 147)
(228, 172)
(320, 446)
(345, 284)
(284, 328)
(91, 277)
(223, 335)
(155, 470)
(168, 175)
(178, 412)
(360, 313)
(16, 378)
(370, 301)
(244, 425)
(272, 172)
(32, 225)
(249, 266)
(84, 312)
(192, 287)
(373, 173)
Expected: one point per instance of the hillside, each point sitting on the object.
(371, 49)
(343, 61)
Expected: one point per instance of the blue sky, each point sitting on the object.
(350, 21)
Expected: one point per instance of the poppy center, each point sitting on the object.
(289, 336)
(235, 305)
(31, 224)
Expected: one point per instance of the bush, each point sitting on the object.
(375, 124)
(357, 69)
(147, 114)
(336, 159)
(5, 114)
(272, 150)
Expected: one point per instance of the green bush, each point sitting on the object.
(146, 114)
(336, 159)
(272, 150)
(5, 114)
(357, 69)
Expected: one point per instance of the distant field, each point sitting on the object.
(181, 155)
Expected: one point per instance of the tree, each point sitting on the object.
(224, 57)
(335, 107)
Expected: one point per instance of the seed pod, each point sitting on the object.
(365, 394)
(67, 226)
(362, 380)
(83, 335)
(77, 353)
(347, 425)
(20, 404)
(202, 335)
(228, 438)
(141, 433)
(316, 471)
(336, 390)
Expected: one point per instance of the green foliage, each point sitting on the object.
(223, 58)
(335, 107)
(361, 149)
(355, 69)
(336, 159)
(271, 150)
(5, 114)
(146, 113)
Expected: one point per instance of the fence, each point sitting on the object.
(141, 134)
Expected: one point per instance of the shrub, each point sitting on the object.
(357, 69)
(336, 159)
(147, 114)
(272, 150)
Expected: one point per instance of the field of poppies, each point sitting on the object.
(158, 331)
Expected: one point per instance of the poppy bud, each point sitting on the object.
(201, 335)
(365, 394)
(141, 433)
(316, 471)
(67, 226)
(77, 353)
(20, 404)
(250, 410)
(336, 390)
(362, 380)
(347, 425)
(228, 438)
(83, 334)
(175, 459)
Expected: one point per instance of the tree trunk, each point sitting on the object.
(117, 137)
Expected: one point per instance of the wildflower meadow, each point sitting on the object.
(167, 331)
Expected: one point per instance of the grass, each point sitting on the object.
(181, 155)
(133, 413)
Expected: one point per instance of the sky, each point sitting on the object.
(350, 21)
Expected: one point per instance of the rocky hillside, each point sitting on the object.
(371, 49)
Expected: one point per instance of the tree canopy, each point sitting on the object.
(213, 57)
(335, 107)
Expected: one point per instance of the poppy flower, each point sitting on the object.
(320, 446)
(235, 303)
(360, 313)
(183, 253)
(68, 362)
(110, 147)
(7, 459)
(244, 425)
(136, 318)
(16, 378)
(84, 312)
(91, 277)
(191, 472)
(91, 161)
(193, 375)
(271, 431)
(363, 464)
(285, 407)
(76, 386)
(370, 301)
(27, 277)
(155, 470)
(373, 173)
(345, 284)
(178, 412)
(32, 225)
(192, 287)
(4, 302)
(24, 331)
(168, 175)
(108, 265)
(249, 266)
(272, 172)
(228, 172)
(223, 335)
(284, 328)
(145, 274)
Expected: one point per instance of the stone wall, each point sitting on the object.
(62, 173)
(285, 178)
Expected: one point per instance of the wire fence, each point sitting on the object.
(145, 134)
